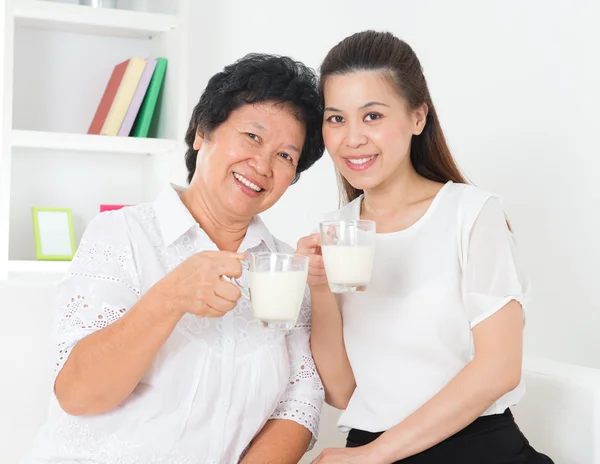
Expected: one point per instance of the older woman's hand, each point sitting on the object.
(198, 286)
(311, 246)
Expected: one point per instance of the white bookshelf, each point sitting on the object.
(82, 19)
(83, 143)
(55, 61)
(37, 267)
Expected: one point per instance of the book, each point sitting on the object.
(129, 83)
(104, 208)
(107, 98)
(146, 113)
(138, 98)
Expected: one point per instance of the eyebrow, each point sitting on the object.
(366, 105)
(258, 126)
(262, 128)
(373, 103)
(293, 148)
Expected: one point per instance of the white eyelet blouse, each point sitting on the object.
(214, 383)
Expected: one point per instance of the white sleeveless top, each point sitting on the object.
(410, 332)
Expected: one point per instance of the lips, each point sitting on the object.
(360, 162)
(248, 182)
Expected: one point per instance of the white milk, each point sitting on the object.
(277, 296)
(348, 265)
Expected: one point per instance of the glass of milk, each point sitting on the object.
(348, 248)
(276, 282)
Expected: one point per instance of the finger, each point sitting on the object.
(317, 272)
(223, 254)
(316, 261)
(227, 290)
(309, 242)
(221, 305)
(229, 267)
(203, 309)
(211, 312)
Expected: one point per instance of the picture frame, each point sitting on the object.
(54, 234)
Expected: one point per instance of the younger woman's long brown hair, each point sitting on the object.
(382, 51)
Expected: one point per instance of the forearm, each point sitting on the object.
(328, 349)
(473, 390)
(105, 367)
(279, 442)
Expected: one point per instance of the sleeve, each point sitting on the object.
(303, 398)
(491, 275)
(100, 285)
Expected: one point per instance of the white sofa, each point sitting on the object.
(561, 411)
(560, 414)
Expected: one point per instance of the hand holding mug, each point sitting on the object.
(311, 246)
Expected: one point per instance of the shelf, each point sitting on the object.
(38, 267)
(91, 143)
(43, 14)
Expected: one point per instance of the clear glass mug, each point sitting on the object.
(276, 286)
(348, 249)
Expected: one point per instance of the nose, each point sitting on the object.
(261, 162)
(355, 137)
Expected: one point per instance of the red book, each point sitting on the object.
(111, 207)
(108, 97)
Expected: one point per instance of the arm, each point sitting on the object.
(329, 351)
(327, 339)
(293, 427)
(279, 442)
(105, 366)
(108, 336)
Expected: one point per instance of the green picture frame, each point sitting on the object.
(54, 233)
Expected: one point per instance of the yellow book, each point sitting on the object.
(124, 96)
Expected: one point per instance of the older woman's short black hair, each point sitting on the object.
(258, 78)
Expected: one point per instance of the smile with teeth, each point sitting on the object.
(246, 182)
(361, 160)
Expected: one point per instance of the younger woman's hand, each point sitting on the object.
(311, 246)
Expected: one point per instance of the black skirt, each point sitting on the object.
(494, 439)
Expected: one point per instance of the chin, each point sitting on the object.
(362, 183)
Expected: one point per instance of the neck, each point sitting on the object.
(402, 188)
(225, 232)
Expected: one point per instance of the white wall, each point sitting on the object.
(516, 87)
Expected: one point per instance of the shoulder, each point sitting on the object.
(106, 225)
(108, 239)
(474, 197)
(470, 201)
(121, 223)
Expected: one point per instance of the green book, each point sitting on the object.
(147, 111)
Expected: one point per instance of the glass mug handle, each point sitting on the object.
(245, 292)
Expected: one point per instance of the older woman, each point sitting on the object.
(158, 360)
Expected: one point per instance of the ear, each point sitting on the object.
(420, 119)
(198, 141)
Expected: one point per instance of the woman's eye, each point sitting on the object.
(253, 136)
(372, 116)
(286, 157)
(335, 119)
